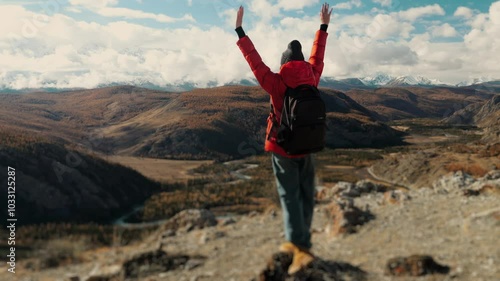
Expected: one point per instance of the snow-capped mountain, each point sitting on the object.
(151, 82)
(380, 79)
(343, 84)
(410, 81)
(473, 81)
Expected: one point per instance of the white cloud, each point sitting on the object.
(383, 3)
(135, 14)
(464, 12)
(37, 50)
(229, 17)
(414, 13)
(69, 53)
(389, 53)
(265, 10)
(479, 21)
(384, 26)
(445, 30)
(190, 3)
(347, 5)
(93, 4)
(105, 8)
(296, 4)
(495, 12)
(73, 9)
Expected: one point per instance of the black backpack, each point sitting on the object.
(303, 121)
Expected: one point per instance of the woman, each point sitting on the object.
(294, 174)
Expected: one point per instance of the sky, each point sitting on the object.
(91, 43)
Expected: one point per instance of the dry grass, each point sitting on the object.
(336, 175)
(59, 252)
(161, 170)
(474, 170)
(348, 157)
(215, 195)
(14, 138)
(414, 102)
(73, 116)
(492, 150)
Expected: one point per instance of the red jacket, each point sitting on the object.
(292, 74)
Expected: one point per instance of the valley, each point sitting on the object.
(408, 163)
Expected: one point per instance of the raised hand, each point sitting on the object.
(325, 13)
(239, 17)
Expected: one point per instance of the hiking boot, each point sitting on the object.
(288, 247)
(301, 259)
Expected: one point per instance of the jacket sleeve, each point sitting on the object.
(268, 80)
(318, 54)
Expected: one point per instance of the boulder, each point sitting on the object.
(211, 236)
(108, 273)
(349, 190)
(154, 262)
(344, 217)
(453, 182)
(415, 265)
(319, 270)
(396, 197)
(367, 186)
(467, 185)
(191, 219)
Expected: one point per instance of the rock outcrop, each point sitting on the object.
(416, 265)
(350, 190)
(344, 217)
(485, 115)
(396, 197)
(145, 264)
(318, 270)
(152, 262)
(407, 169)
(462, 182)
(190, 219)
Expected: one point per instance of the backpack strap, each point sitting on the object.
(274, 124)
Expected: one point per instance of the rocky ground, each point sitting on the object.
(456, 222)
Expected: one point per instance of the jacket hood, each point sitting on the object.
(295, 73)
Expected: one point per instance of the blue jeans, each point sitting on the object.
(295, 182)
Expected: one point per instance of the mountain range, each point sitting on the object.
(378, 80)
(220, 123)
(385, 80)
(217, 123)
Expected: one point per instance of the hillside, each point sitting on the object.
(56, 184)
(417, 102)
(485, 115)
(438, 222)
(217, 123)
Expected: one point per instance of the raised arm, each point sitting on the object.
(268, 80)
(318, 49)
